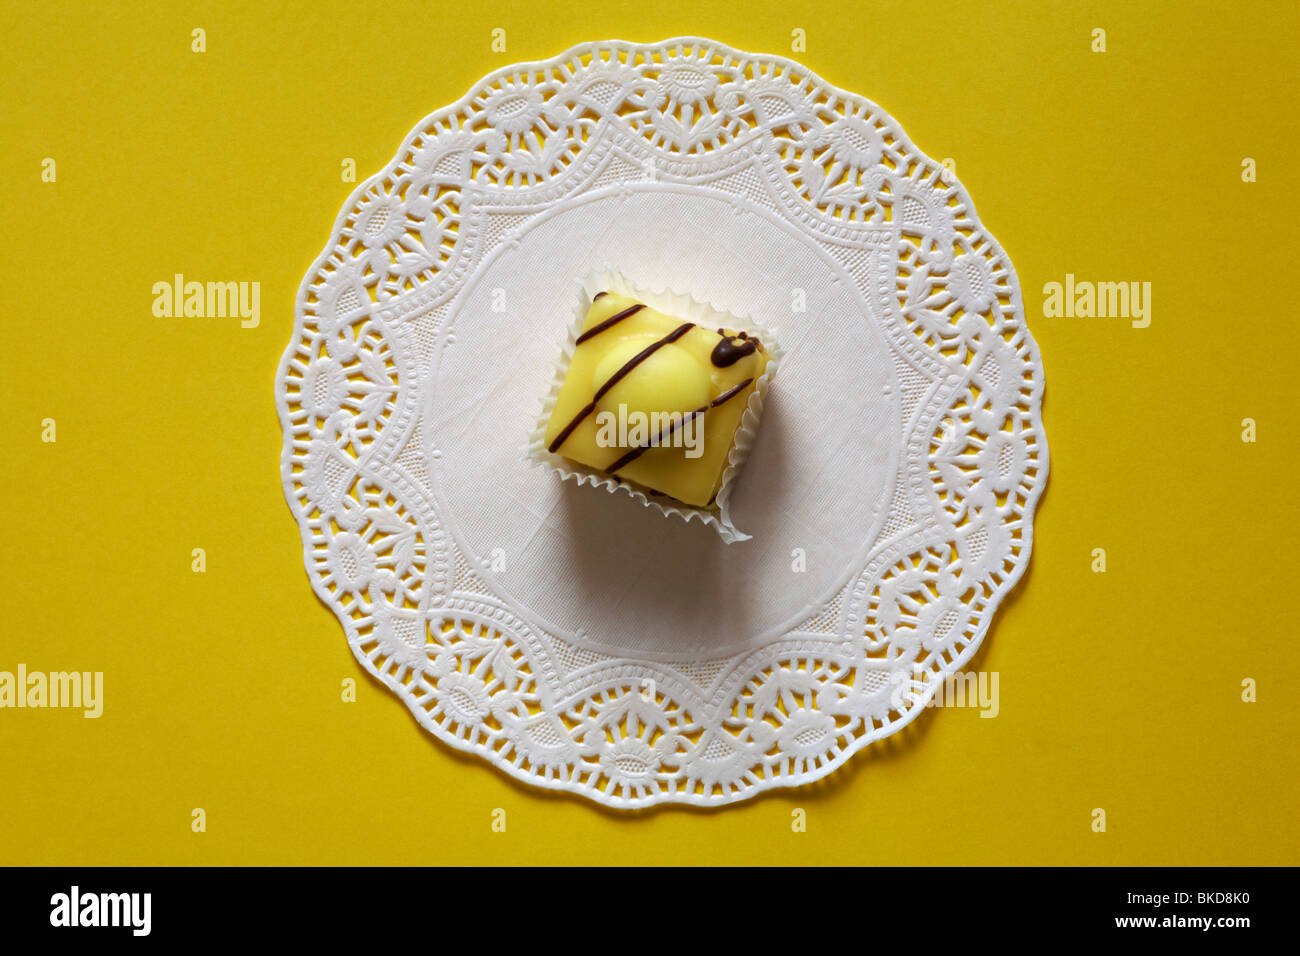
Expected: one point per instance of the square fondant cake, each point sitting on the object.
(653, 400)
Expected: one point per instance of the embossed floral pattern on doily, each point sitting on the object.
(422, 617)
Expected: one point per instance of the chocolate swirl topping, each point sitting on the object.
(732, 349)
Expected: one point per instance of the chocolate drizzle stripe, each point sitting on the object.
(612, 320)
(636, 453)
(731, 393)
(614, 379)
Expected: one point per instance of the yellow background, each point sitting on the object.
(1118, 690)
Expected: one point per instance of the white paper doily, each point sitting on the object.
(577, 639)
